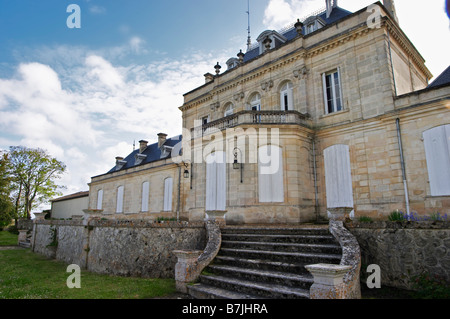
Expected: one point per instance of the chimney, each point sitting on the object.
(142, 145)
(330, 6)
(390, 6)
(161, 139)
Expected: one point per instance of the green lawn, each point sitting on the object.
(7, 239)
(26, 275)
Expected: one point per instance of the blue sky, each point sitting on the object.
(86, 94)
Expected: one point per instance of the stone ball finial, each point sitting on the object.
(217, 67)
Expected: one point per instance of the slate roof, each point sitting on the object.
(152, 151)
(337, 14)
(441, 80)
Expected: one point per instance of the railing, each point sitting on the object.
(251, 118)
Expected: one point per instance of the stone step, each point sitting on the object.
(259, 289)
(203, 291)
(280, 238)
(262, 264)
(288, 247)
(25, 244)
(267, 276)
(293, 257)
(275, 230)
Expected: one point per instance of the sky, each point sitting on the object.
(87, 94)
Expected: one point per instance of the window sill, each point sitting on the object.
(334, 113)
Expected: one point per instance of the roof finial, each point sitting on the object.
(249, 40)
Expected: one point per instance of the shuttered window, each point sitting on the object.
(119, 205)
(145, 196)
(338, 178)
(286, 97)
(100, 199)
(216, 183)
(437, 150)
(270, 174)
(168, 189)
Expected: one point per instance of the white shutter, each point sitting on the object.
(338, 178)
(290, 99)
(437, 151)
(145, 195)
(168, 186)
(270, 174)
(119, 206)
(221, 180)
(100, 199)
(216, 181)
(325, 97)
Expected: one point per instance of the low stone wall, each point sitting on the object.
(118, 247)
(404, 249)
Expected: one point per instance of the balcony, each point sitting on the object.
(252, 118)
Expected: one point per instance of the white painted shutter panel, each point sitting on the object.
(338, 178)
(290, 99)
(168, 183)
(119, 206)
(437, 151)
(270, 174)
(221, 180)
(264, 180)
(100, 199)
(145, 195)
(210, 183)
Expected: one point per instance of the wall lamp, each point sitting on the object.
(236, 164)
(186, 171)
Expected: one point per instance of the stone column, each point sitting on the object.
(186, 269)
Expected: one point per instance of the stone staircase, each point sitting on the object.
(266, 262)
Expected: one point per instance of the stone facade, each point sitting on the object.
(381, 80)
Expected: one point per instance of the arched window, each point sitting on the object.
(286, 97)
(229, 109)
(270, 174)
(255, 102)
(437, 151)
(168, 189)
(145, 196)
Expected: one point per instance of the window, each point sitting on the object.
(437, 151)
(145, 196)
(205, 120)
(338, 177)
(286, 97)
(255, 105)
(119, 204)
(100, 199)
(168, 185)
(270, 174)
(332, 91)
(229, 109)
(216, 183)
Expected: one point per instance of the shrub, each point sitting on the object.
(365, 219)
(13, 230)
(396, 216)
(430, 286)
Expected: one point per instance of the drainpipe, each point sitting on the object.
(402, 159)
(392, 64)
(179, 192)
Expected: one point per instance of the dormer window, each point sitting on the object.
(232, 63)
(139, 158)
(120, 163)
(166, 150)
(270, 39)
(313, 24)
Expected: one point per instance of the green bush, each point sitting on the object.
(430, 287)
(13, 230)
(365, 219)
(396, 216)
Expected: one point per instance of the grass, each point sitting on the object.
(26, 275)
(8, 239)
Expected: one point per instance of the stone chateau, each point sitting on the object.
(335, 110)
(330, 117)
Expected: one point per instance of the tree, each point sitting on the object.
(33, 174)
(6, 205)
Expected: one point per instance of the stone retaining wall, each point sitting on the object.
(125, 248)
(404, 249)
